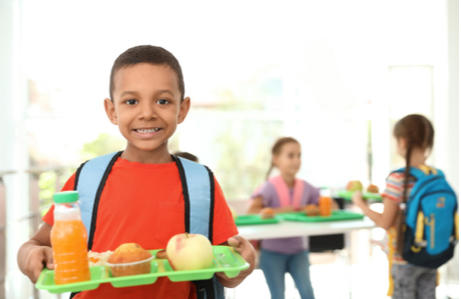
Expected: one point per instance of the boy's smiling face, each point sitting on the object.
(146, 107)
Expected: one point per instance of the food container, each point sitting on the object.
(132, 268)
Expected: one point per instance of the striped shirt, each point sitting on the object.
(394, 192)
(394, 186)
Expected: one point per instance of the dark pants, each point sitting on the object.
(413, 282)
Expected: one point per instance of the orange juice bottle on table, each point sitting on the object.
(69, 240)
(325, 205)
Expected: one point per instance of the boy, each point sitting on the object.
(146, 103)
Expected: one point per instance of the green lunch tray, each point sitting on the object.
(225, 260)
(336, 215)
(347, 195)
(255, 219)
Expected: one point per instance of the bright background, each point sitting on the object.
(335, 75)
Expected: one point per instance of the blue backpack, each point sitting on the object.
(198, 192)
(431, 219)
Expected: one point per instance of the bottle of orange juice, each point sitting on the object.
(69, 240)
(325, 205)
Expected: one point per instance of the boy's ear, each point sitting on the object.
(184, 107)
(110, 111)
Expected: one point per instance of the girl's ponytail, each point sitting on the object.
(407, 172)
(402, 211)
(269, 171)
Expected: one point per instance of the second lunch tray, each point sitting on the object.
(225, 260)
(254, 219)
(347, 195)
(336, 215)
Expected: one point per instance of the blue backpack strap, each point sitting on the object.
(198, 190)
(89, 182)
(418, 174)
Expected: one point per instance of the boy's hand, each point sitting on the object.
(37, 258)
(247, 251)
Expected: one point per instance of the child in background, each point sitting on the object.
(142, 200)
(415, 137)
(282, 255)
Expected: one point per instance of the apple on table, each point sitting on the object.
(354, 186)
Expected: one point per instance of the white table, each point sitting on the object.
(286, 229)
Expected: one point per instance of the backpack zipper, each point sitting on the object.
(440, 192)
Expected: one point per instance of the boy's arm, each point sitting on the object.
(247, 251)
(36, 253)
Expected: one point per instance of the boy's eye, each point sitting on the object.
(163, 101)
(131, 102)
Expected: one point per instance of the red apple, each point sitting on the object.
(189, 252)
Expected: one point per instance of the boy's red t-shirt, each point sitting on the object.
(143, 203)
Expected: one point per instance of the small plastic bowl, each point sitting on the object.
(133, 268)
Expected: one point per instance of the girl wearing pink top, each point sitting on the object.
(285, 193)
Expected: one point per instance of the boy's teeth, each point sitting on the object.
(148, 130)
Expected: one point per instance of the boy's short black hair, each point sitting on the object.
(146, 54)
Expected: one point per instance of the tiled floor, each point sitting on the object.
(331, 277)
(334, 278)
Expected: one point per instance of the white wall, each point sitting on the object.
(13, 151)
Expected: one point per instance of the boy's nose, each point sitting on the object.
(148, 111)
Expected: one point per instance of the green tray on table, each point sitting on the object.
(255, 219)
(347, 195)
(225, 260)
(337, 215)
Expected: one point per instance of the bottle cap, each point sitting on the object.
(65, 197)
